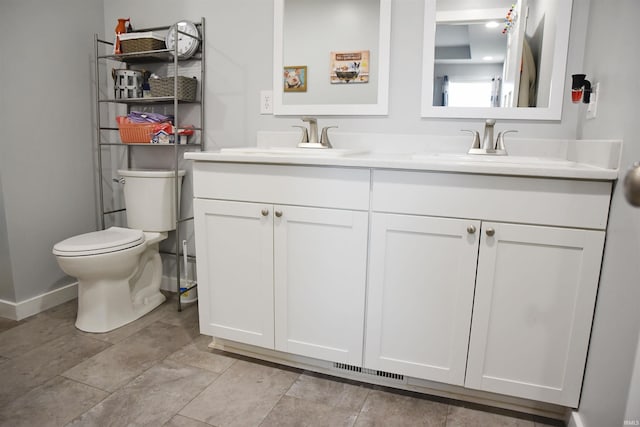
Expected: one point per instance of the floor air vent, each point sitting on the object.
(352, 368)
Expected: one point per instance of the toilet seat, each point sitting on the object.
(99, 242)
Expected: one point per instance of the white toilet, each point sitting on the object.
(119, 269)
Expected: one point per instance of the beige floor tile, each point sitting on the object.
(65, 311)
(242, 396)
(151, 399)
(43, 363)
(33, 333)
(294, 412)
(548, 423)
(6, 324)
(116, 366)
(199, 355)
(53, 403)
(383, 408)
(329, 391)
(459, 416)
(188, 317)
(180, 421)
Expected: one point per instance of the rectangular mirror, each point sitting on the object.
(331, 57)
(495, 58)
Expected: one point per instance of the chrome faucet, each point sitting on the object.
(487, 137)
(313, 129)
(310, 139)
(489, 146)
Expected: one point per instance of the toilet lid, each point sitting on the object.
(99, 242)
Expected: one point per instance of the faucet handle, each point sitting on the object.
(500, 140)
(476, 137)
(324, 137)
(304, 137)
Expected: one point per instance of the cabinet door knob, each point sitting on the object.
(490, 232)
(278, 214)
(471, 229)
(265, 212)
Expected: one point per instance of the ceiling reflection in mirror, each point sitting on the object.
(495, 53)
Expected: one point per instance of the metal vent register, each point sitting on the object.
(373, 372)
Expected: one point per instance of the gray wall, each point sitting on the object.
(47, 139)
(613, 28)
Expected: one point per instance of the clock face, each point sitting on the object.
(186, 45)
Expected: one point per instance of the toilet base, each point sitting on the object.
(105, 306)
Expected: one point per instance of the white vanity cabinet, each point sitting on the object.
(282, 257)
(421, 280)
(535, 294)
(535, 285)
(234, 243)
(484, 282)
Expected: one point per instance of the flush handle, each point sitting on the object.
(278, 214)
(490, 232)
(471, 229)
(265, 212)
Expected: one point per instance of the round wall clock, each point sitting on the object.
(187, 45)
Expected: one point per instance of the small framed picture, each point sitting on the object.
(295, 78)
(349, 67)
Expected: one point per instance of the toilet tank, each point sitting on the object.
(149, 197)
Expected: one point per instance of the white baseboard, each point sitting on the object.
(575, 420)
(37, 304)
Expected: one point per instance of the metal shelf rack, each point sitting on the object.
(162, 56)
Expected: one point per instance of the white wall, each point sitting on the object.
(47, 139)
(611, 60)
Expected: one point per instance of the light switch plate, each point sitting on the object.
(266, 102)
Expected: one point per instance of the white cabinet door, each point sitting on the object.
(421, 280)
(234, 244)
(535, 295)
(320, 279)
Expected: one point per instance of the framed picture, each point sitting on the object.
(295, 78)
(349, 67)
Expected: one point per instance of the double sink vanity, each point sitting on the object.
(461, 275)
(426, 268)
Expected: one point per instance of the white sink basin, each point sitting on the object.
(489, 159)
(294, 151)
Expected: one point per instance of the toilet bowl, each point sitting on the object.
(119, 270)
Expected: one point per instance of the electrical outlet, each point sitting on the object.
(266, 102)
(592, 108)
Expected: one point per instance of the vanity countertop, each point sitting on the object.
(545, 167)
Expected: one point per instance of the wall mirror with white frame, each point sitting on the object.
(307, 36)
(495, 58)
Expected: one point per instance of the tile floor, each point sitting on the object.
(158, 371)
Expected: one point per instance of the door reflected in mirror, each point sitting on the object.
(500, 59)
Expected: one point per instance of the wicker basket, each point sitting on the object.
(164, 87)
(140, 42)
(135, 133)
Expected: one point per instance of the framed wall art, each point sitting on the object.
(350, 67)
(295, 78)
